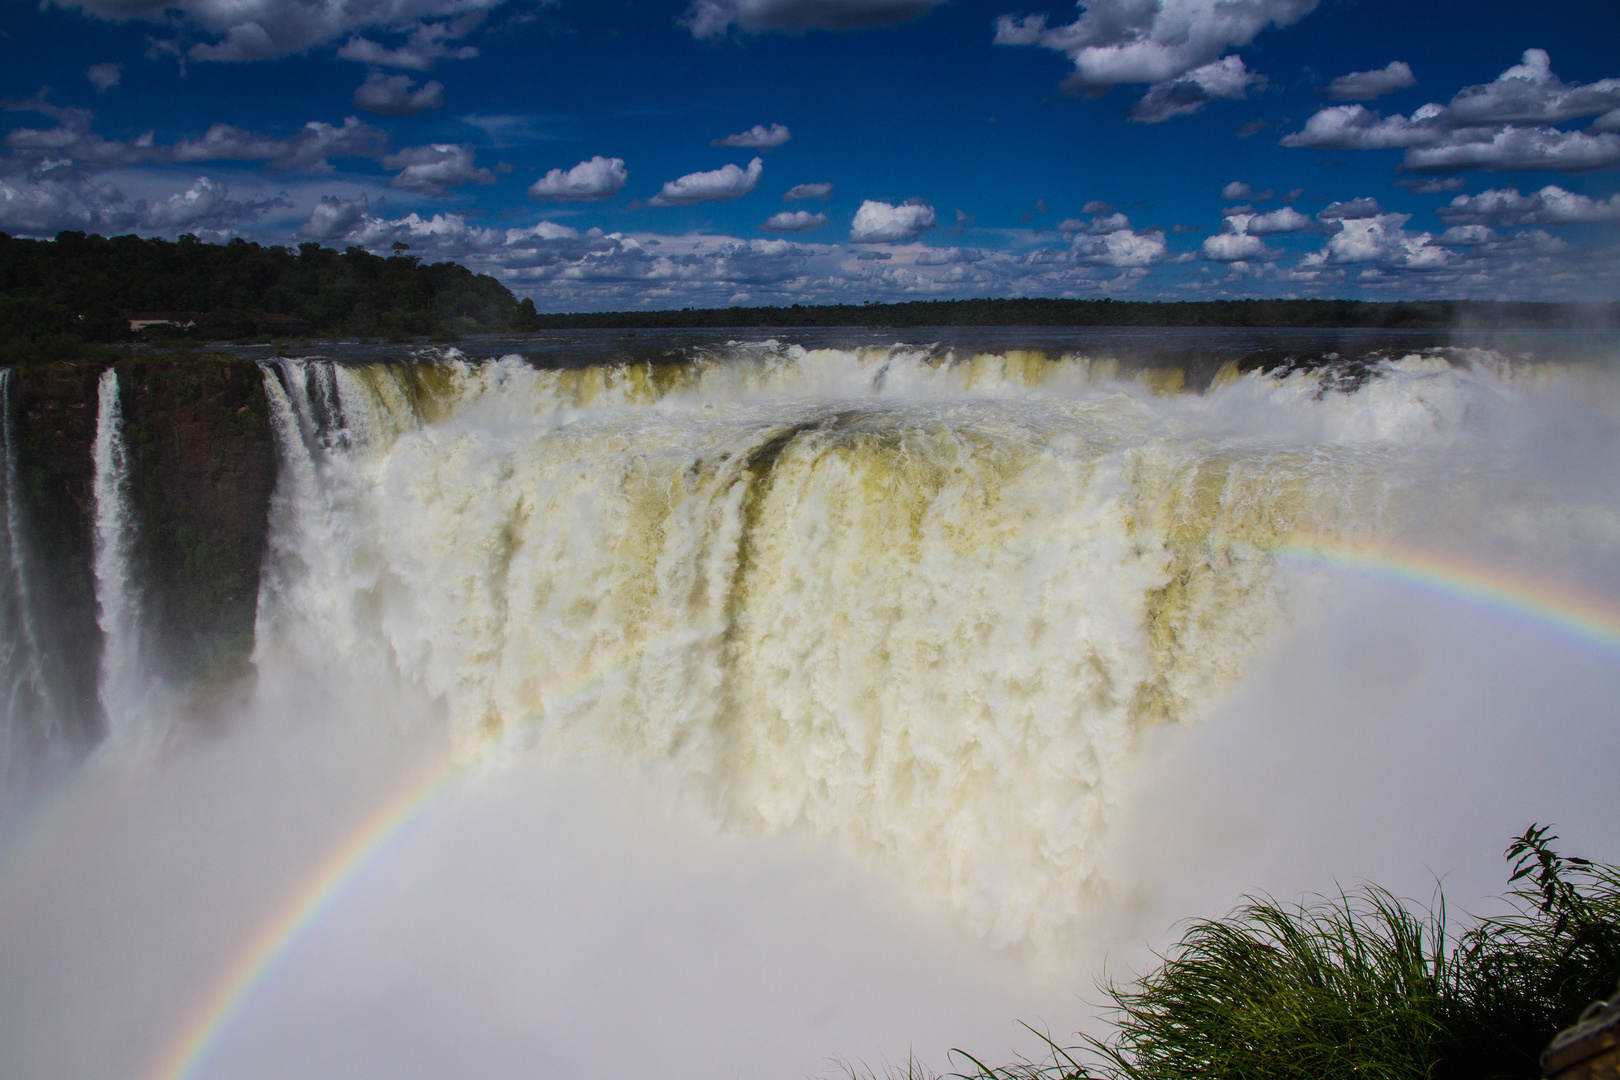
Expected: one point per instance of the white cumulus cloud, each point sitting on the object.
(392, 95)
(1501, 126)
(589, 181)
(1366, 85)
(1552, 205)
(206, 202)
(1122, 249)
(883, 223)
(793, 221)
(717, 185)
(712, 18)
(1225, 78)
(436, 168)
(1283, 220)
(1234, 247)
(758, 137)
(1158, 42)
(1517, 149)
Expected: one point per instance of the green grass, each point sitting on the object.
(1362, 985)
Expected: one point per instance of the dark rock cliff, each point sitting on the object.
(202, 466)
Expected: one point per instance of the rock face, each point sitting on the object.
(202, 467)
(55, 415)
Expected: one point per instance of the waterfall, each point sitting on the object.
(925, 610)
(124, 686)
(28, 723)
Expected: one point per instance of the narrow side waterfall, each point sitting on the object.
(27, 725)
(124, 684)
(924, 610)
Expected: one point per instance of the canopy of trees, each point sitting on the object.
(84, 288)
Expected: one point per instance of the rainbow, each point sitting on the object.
(276, 937)
(1538, 600)
(1535, 599)
(324, 884)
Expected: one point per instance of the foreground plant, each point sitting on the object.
(1362, 986)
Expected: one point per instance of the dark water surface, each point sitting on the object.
(1200, 351)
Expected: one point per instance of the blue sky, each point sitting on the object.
(599, 155)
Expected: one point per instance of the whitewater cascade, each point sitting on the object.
(27, 726)
(123, 683)
(923, 608)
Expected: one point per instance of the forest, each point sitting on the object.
(60, 298)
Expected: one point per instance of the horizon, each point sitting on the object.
(717, 153)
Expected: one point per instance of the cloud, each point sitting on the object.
(1529, 93)
(1283, 220)
(105, 76)
(1235, 247)
(882, 223)
(1238, 190)
(1516, 149)
(427, 44)
(808, 191)
(1350, 208)
(1097, 206)
(952, 256)
(793, 221)
(1123, 249)
(73, 139)
(43, 202)
(718, 185)
(1253, 127)
(206, 202)
(436, 168)
(1097, 226)
(589, 181)
(306, 151)
(1551, 205)
(1484, 126)
(1381, 239)
(758, 137)
(1466, 236)
(1430, 185)
(1225, 78)
(712, 18)
(334, 218)
(1366, 85)
(392, 95)
(1142, 41)
(265, 29)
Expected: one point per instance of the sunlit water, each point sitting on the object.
(812, 698)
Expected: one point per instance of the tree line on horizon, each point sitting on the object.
(61, 298)
(67, 297)
(1037, 311)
